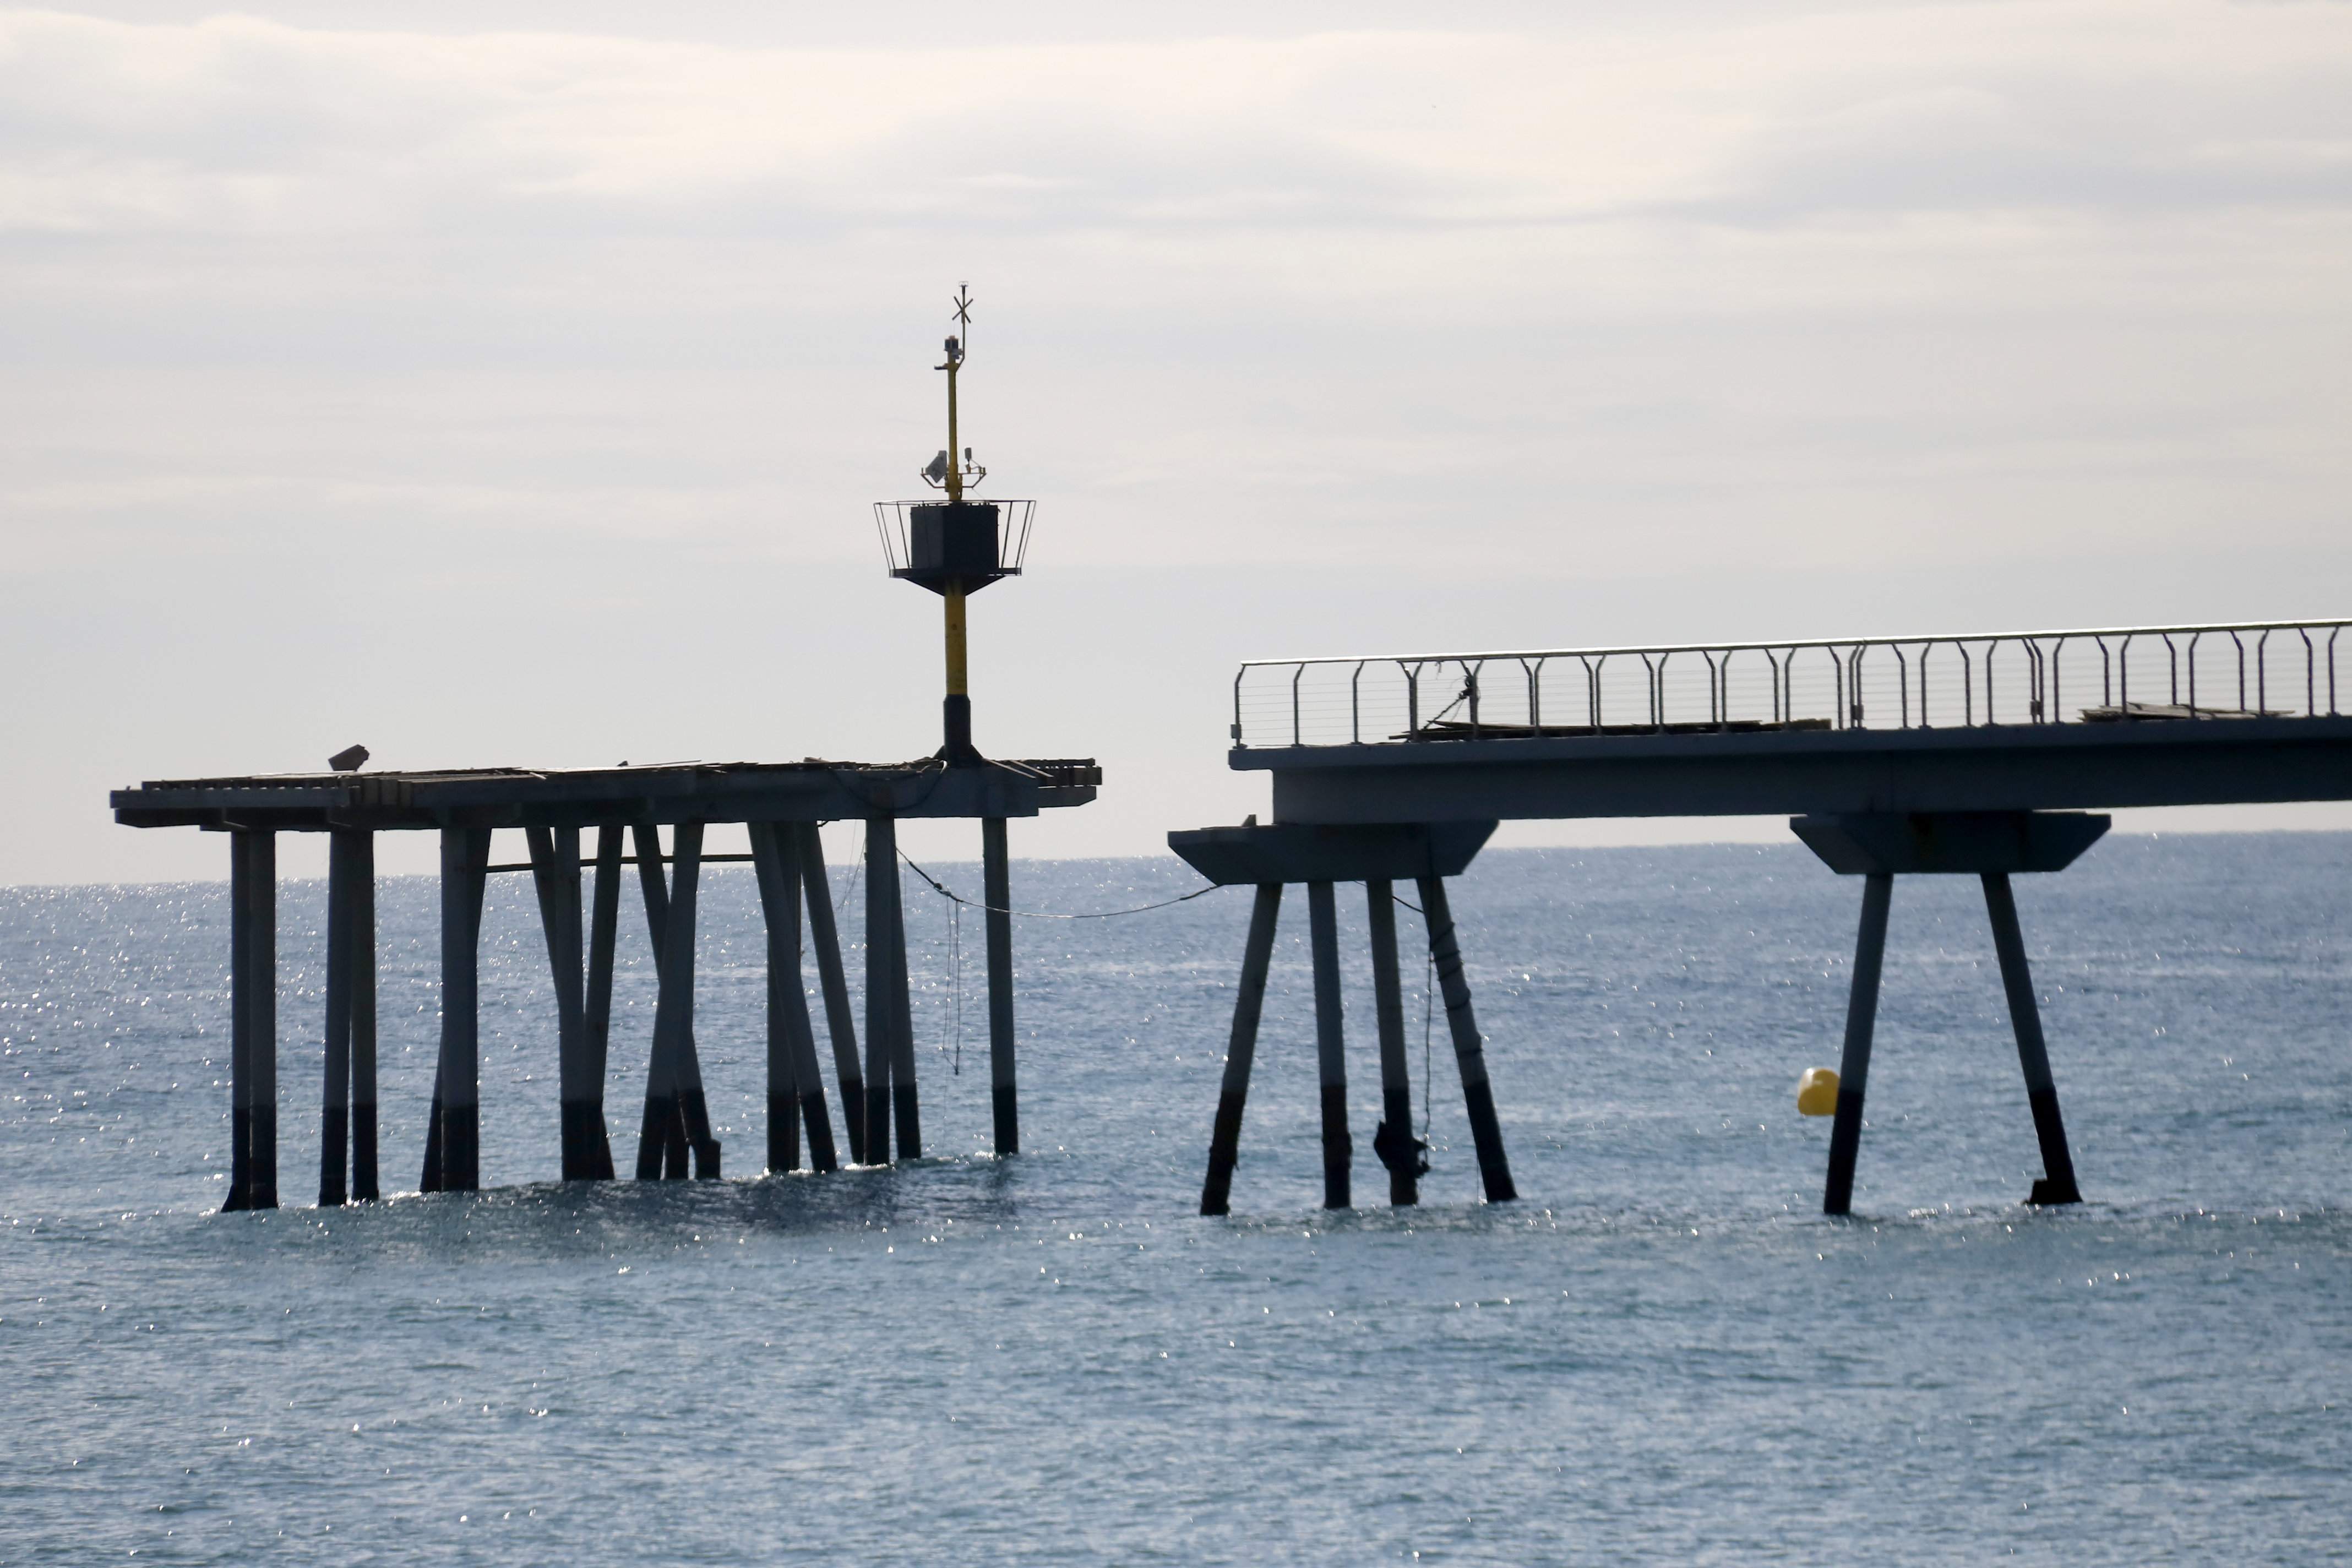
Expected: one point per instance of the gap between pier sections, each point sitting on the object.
(1428, 1006)
(947, 892)
(959, 903)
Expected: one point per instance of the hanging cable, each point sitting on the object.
(849, 889)
(947, 892)
(955, 979)
(1428, 1014)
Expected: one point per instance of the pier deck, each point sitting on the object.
(666, 793)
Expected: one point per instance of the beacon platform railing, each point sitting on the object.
(2118, 675)
(892, 518)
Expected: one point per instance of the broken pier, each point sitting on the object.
(624, 809)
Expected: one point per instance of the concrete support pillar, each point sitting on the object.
(2057, 1182)
(580, 1092)
(1241, 1050)
(1469, 1046)
(359, 861)
(594, 1137)
(783, 968)
(840, 1024)
(1404, 1155)
(661, 1130)
(1330, 1043)
(905, 1104)
(996, 889)
(796, 1083)
(335, 1105)
(253, 1020)
(453, 1143)
(678, 1114)
(881, 977)
(1861, 1020)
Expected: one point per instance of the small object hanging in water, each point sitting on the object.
(1817, 1092)
(1398, 1150)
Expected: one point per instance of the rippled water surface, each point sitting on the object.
(1662, 1353)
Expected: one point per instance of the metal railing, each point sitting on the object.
(2122, 675)
(1013, 520)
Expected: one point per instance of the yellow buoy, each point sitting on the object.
(1817, 1092)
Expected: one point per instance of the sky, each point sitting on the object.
(509, 383)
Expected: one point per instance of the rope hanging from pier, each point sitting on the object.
(947, 892)
(1428, 1018)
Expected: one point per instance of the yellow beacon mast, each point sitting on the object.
(957, 547)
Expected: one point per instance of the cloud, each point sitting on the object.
(1749, 283)
(244, 125)
(569, 364)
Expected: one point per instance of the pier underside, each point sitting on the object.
(1269, 857)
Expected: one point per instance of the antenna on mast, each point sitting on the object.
(953, 469)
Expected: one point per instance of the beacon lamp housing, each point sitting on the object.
(942, 544)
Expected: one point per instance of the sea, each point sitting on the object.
(1662, 1352)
